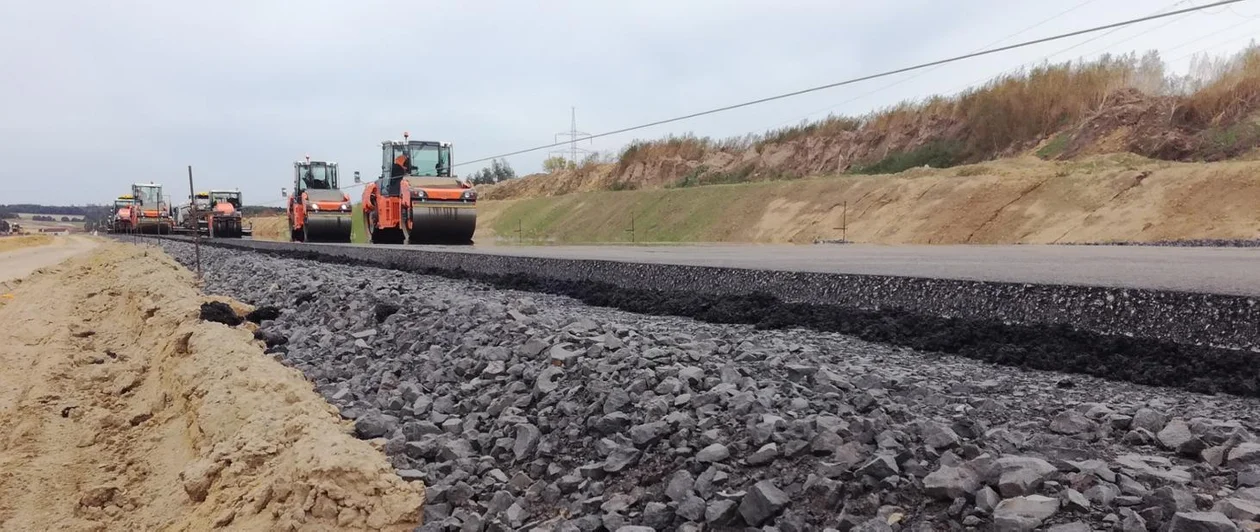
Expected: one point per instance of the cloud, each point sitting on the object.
(103, 94)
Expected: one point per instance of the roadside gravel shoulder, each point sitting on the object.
(523, 411)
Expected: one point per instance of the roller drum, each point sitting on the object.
(327, 227)
(227, 227)
(149, 226)
(442, 225)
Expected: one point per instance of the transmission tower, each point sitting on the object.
(573, 134)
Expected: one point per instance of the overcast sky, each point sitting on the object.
(98, 95)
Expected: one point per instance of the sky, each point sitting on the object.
(99, 95)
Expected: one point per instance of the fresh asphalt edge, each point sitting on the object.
(1199, 342)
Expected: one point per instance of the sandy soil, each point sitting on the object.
(22, 258)
(120, 410)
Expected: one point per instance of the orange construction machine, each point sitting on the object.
(150, 213)
(318, 210)
(224, 218)
(120, 222)
(417, 199)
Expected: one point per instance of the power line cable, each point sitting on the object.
(1047, 57)
(870, 77)
(1113, 26)
(1087, 41)
(1251, 20)
(925, 72)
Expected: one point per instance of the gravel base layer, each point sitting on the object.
(1130, 334)
(1176, 316)
(526, 411)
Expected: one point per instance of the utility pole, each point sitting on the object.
(573, 134)
(192, 209)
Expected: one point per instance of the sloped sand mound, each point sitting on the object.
(120, 410)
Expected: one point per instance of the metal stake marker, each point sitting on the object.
(192, 208)
(631, 229)
(844, 224)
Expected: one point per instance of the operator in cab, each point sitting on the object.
(402, 166)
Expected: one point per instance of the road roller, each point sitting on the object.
(120, 222)
(150, 213)
(417, 199)
(223, 219)
(318, 210)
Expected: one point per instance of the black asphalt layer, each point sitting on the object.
(1233, 270)
(1200, 342)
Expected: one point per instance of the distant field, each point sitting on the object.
(28, 216)
(9, 243)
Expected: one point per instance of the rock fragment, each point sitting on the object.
(949, 483)
(762, 502)
(713, 453)
(1201, 522)
(1024, 514)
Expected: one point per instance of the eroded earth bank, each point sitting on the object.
(121, 410)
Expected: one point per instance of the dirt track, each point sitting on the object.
(21, 261)
(120, 410)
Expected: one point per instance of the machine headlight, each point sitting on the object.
(418, 194)
(470, 194)
(312, 206)
(345, 206)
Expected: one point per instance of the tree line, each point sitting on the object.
(498, 172)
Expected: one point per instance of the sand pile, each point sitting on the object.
(120, 410)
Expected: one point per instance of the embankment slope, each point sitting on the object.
(121, 410)
(1119, 197)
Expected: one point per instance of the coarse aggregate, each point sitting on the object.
(531, 411)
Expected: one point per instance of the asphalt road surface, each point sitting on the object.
(1233, 271)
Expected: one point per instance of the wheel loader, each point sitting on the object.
(417, 200)
(150, 212)
(318, 210)
(120, 222)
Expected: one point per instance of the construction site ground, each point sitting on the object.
(1109, 198)
(121, 409)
